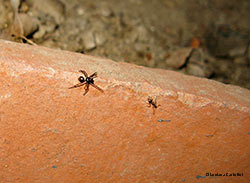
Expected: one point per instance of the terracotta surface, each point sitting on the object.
(49, 133)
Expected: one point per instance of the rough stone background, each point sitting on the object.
(210, 37)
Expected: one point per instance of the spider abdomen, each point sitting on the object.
(81, 79)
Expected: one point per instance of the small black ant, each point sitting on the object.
(89, 80)
(152, 103)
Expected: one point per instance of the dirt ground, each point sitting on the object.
(205, 38)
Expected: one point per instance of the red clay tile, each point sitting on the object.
(49, 133)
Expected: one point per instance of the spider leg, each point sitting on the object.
(84, 72)
(86, 88)
(94, 75)
(97, 87)
(77, 85)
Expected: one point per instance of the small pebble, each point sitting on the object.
(164, 120)
(106, 12)
(199, 176)
(178, 58)
(88, 40)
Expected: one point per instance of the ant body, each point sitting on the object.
(89, 80)
(152, 103)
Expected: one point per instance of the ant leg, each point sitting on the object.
(156, 102)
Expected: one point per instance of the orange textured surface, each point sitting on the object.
(49, 133)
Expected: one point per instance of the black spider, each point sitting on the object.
(89, 80)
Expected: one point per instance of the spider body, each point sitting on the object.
(81, 79)
(88, 80)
